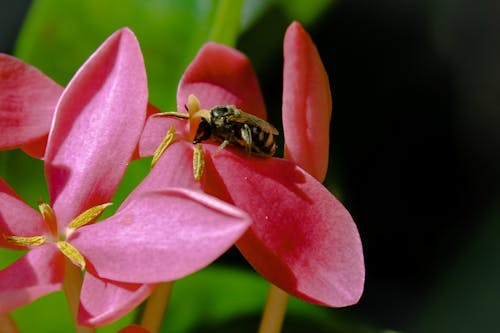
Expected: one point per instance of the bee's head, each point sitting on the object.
(219, 111)
(204, 130)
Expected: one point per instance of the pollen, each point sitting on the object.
(26, 241)
(167, 141)
(72, 254)
(198, 162)
(88, 216)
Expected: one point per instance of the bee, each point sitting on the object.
(230, 125)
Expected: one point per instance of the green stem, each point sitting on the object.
(7, 324)
(72, 285)
(275, 310)
(227, 22)
(153, 314)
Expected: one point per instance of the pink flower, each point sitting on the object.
(156, 235)
(27, 104)
(302, 239)
(28, 99)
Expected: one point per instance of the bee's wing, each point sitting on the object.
(246, 118)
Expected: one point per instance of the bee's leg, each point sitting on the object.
(222, 146)
(246, 135)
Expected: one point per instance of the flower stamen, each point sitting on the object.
(167, 141)
(72, 254)
(88, 216)
(26, 241)
(198, 162)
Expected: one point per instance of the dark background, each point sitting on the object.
(415, 152)
(415, 148)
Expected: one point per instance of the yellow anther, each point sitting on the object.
(88, 216)
(26, 241)
(72, 254)
(198, 162)
(48, 216)
(169, 138)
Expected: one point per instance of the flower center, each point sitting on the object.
(194, 116)
(49, 218)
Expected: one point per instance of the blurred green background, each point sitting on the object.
(415, 147)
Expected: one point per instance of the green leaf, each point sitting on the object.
(212, 296)
(8, 256)
(25, 175)
(227, 22)
(224, 299)
(59, 35)
(305, 11)
(47, 314)
(50, 314)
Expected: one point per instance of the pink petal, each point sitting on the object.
(151, 110)
(6, 189)
(155, 130)
(97, 125)
(161, 236)
(34, 275)
(16, 217)
(307, 103)
(173, 169)
(104, 301)
(222, 75)
(302, 239)
(27, 102)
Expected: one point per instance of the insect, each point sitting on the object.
(230, 125)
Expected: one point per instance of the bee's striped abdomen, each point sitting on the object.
(263, 142)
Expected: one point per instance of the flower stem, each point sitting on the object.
(153, 314)
(7, 324)
(227, 22)
(274, 312)
(72, 285)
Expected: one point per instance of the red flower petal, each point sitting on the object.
(307, 103)
(104, 301)
(27, 103)
(150, 111)
(37, 273)
(173, 169)
(36, 148)
(96, 128)
(161, 236)
(133, 329)
(155, 130)
(16, 217)
(222, 75)
(302, 239)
